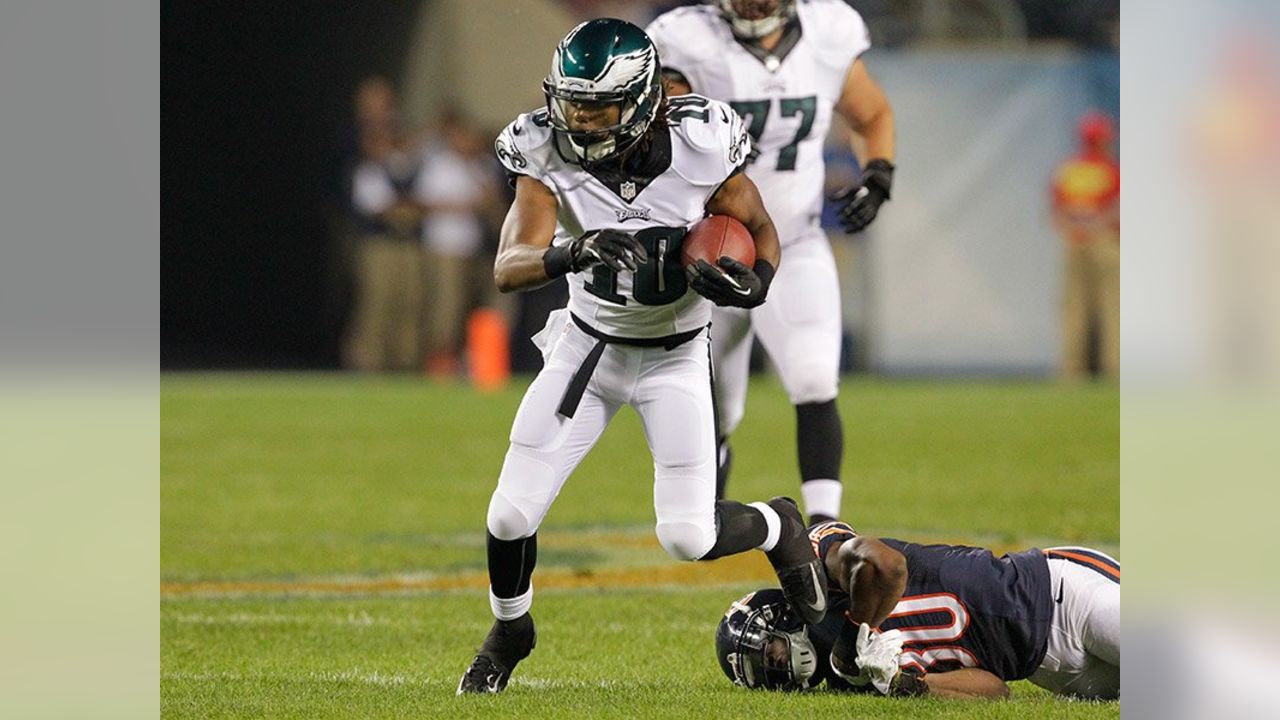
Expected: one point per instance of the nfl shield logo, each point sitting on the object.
(628, 190)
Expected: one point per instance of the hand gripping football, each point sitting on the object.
(718, 236)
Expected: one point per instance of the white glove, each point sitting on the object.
(875, 656)
(877, 659)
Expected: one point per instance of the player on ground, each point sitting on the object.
(785, 67)
(958, 622)
(608, 177)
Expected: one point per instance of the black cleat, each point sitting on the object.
(484, 676)
(802, 575)
(508, 642)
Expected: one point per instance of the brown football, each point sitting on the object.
(718, 236)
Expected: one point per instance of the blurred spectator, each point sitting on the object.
(1236, 131)
(376, 102)
(386, 326)
(1086, 213)
(459, 193)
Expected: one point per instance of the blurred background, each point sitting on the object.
(269, 252)
(329, 197)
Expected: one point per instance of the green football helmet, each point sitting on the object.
(601, 63)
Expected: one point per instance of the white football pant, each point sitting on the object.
(799, 325)
(1083, 659)
(669, 389)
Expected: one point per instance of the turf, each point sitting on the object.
(322, 548)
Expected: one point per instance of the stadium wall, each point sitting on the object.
(965, 270)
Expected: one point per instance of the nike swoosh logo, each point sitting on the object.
(817, 589)
(736, 287)
(492, 682)
(1060, 584)
(515, 130)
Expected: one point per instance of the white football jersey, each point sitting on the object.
(706, 143)
(785, 98)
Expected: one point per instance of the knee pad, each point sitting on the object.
(811, 383)
(506, 520)
(684, 540)
(526, 487)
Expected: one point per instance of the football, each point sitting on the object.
(718, 236)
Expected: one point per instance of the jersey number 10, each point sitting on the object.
(659, 281)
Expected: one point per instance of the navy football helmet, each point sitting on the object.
(761, 643)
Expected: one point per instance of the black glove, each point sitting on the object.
(619, 250)
(738, 286)
(859, 203)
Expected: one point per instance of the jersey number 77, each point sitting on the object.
(758, 113)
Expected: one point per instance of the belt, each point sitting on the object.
(578, 385)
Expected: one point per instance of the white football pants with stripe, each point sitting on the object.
(1083, 658)
(669, 389)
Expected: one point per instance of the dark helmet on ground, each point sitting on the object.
(602, 62)
(753, 19)
(761, 643)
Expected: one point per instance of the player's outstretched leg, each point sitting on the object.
(776, 528)
(801, 573)
(508, 642)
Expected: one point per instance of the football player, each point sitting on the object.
(608, 177)
(786, 66)
(957, 621)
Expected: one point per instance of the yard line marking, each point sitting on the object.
(358, 619)
(333, 676)
(734, 570)
(730, 570)
(382, 679)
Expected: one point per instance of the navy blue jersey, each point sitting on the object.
(963, 607)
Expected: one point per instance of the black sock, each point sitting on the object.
(819, 441)
(724, 460)
(738, 528)
(511, 565)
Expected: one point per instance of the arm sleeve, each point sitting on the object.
(509, 153)
(718, 143)
(521, 147)
(740, 148)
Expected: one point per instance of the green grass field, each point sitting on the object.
(322, 542)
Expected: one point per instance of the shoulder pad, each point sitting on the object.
(838, 32)
(686, 36)
(713, 133)
(525, 146)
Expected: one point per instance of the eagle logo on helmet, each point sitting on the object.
(602, 62)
